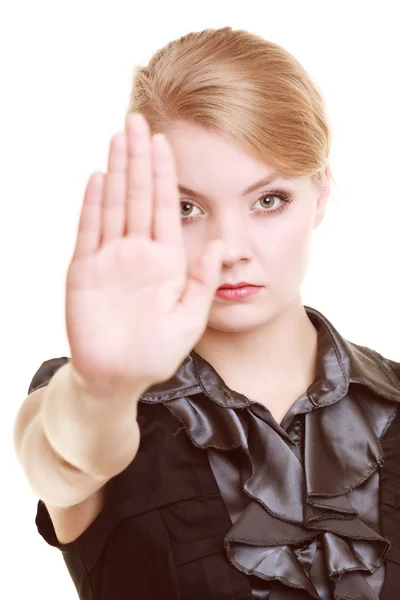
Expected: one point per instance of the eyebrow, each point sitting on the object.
(252, 188)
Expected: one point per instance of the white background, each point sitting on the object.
(65, 79)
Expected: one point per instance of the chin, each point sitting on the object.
(237, 319)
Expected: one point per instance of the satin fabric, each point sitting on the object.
(165, 530)
(303, 519)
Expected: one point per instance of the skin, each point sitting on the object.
(253, 343)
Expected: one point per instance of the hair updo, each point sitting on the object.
(252, 91)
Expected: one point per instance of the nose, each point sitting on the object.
(232, 230)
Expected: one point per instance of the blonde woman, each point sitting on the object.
(210, 437)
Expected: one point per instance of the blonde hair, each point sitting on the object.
(247, 88)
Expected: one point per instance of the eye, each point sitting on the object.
(187, 207)
(269, 201)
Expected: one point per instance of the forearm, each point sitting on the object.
(71, 442)
(96, 434)
(51, 478)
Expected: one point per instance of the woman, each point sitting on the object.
(210, 437)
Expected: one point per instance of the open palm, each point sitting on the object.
(133, 310)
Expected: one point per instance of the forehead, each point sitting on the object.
(210, 163)
(203, 155)
(191, 141)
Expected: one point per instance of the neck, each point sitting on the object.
(279, 357)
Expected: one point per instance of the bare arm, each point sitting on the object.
(71, 442)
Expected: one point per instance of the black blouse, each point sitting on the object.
(221, 502)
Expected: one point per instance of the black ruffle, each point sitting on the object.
(299, 506)
(291, 505)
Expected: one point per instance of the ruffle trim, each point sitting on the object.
(291, 505)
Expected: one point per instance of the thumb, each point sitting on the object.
(203, 280)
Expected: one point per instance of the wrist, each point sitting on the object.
(103, 391)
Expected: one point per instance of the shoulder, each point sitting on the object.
(394, 366)
(374, 370)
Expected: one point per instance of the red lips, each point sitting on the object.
(235, 285)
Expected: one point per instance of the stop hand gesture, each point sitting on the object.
(134, 310)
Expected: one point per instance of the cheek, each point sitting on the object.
(289, 237)
(287, 247)
(297, 237)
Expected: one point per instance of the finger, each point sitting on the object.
(167, 223)
(114, 207)
(88, 237)
(202, 283)
(140, 177)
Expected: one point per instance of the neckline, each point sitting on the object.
(330, 384)
(339, 363)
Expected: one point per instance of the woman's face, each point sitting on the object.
(266, 231)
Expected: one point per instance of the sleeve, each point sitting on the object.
(45, 372)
